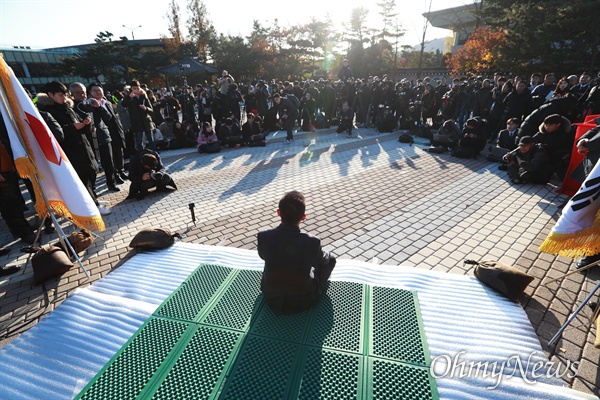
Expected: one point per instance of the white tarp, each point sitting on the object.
(61, 354)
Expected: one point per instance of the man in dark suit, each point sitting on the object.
(296, 267)
(288, 113)
(117, 134)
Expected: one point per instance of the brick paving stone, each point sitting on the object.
(371, 198)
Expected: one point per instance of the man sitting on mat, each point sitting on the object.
(296, 267)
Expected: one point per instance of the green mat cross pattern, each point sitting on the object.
(214, 337)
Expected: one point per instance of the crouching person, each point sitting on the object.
(145, 173)
(528, 163)
(296, 267)
(447, 136)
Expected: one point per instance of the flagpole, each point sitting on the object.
(62, 237)
(572, 272)
(572, 317)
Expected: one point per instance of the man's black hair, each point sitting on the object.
(149, 160)
(292, 207)
(553, 119)
(56, 87)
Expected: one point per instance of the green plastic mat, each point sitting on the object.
(214, 337)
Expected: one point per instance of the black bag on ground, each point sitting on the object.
(436, 149)
(153, 239)
(48, 262)
(465, 152)
(406, 138)
(505, 278)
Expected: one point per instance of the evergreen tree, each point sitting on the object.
(546, 35)
(388, 16)
(356, 29)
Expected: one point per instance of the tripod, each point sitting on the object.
(572, 317)
(62, 237)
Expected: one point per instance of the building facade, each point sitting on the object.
(35, 68)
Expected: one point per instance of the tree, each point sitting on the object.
(175, 42)
(323, 39)
(548, 35)
(201, 32)
(388, 16)
(108, 61)
(356, 34)
(479, 53)
(356, 29)
(234, 55)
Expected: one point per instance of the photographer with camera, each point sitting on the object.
(346, 118)
(99, 114)
(145, 173)
(288, 113)
(140, 115)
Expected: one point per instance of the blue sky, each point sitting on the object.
(47, 23)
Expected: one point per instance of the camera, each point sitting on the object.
(88, 102)
(157, 176)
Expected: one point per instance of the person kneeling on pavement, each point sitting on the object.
(346, 117)
(475, 135)
(528, 163)
(447, 136)
(145, 173)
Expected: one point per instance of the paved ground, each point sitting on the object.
(370, 198)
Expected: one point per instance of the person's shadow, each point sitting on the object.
(279, 350)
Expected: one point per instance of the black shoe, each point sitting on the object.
(29, 238)
(48, 230)
(9, 270)
(585, 261)
(119, 180)
(503, 167)
(113, 188)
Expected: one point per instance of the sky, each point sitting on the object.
(47, 23)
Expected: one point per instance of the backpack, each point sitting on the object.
(321, 121)
(294, 100)
(406, 138)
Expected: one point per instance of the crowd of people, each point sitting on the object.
(525, 124)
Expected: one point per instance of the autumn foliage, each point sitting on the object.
(479, 53)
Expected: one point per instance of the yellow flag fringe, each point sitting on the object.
(90, 223)
(25, 167)
(583, 243)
